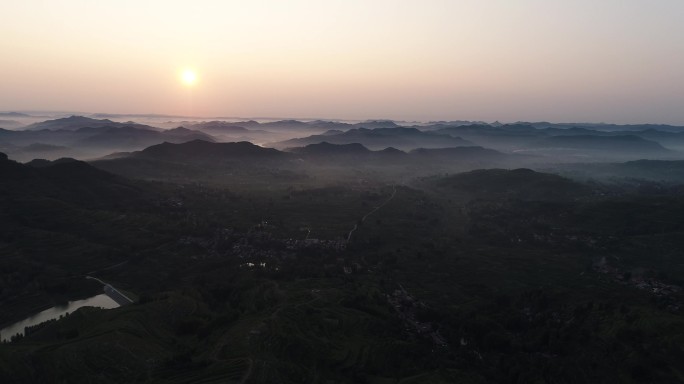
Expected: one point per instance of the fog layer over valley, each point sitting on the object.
(398, 148)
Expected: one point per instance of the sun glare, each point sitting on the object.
(188, 77)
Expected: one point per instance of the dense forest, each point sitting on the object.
(482, 276)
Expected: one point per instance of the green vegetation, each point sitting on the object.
(488, 276)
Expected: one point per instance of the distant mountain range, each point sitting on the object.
(609, 127)
(379, 138)
(84, 137)
(200, 151)
(328, 149)
(621, 143)
(215, 160)
(203, 160)
(227, 131)
(131, 137)
(74, 123)
(10, 124)
(523, 135)
(359, 154)
(219, 127)
(13, 114)
(595, 148)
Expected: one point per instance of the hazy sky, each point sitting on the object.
(508, 60)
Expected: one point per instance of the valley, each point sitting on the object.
(338, 263)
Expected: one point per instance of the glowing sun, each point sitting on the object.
(188, 77)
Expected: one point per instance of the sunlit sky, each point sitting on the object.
(616, 61)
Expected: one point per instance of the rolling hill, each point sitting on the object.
(380, 138)
(521, 183)
(200, 150)
(88, 141)
(611, 144)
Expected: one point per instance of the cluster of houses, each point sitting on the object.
(296, 244)
(649, 284)
(258, 245)
(407, 307)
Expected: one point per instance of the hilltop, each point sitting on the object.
(201, 150)
(73, 123)
(380, 138)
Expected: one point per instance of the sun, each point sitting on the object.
(188, 77)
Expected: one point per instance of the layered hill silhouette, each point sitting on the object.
(200, 159)
(66, 180)
(600, 148)
(535, 135)
(10, 124)
(87, 138)
(219, 128)
(200, 150)
(380, 138)
(225, 161)
(84, 137)
(350, 155)
(131, 137)
(73, 123)
(227, 131)
(328, 149)
(473, 153)
(622, 143)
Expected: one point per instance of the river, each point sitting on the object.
(101, 301)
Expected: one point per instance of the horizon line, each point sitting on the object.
(104, 115)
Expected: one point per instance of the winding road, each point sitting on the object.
(356, 226)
